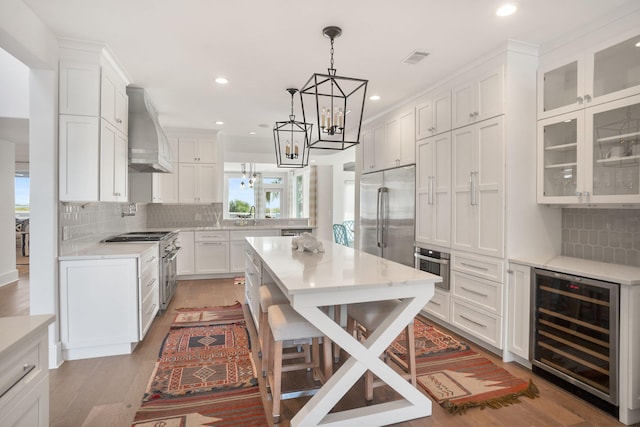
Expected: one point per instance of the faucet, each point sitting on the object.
(252, 210)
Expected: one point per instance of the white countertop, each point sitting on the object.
(339, 267)
(108, 250)
(616, 273)
(248, 227)
(17, 328)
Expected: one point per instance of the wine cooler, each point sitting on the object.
(575, 335)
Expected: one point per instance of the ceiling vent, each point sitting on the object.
(415, 57)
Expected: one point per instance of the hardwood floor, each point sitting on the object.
(107, 391)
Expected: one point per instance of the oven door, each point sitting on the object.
(435, 263)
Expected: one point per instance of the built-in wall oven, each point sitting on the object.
(434, 262)
(575, 335)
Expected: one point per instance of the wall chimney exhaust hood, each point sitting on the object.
(148, 145)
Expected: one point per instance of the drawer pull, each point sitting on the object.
(153, 258)
(437, 304)
(474, 322)
(474, 266)
(14, 381)
(474, 292)
(153, 307)
(151, 282)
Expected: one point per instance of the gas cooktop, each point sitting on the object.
(140, 236)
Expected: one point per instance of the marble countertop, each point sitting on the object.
(17, 328)
(108, 250)
(616, 273)
(248, 227)
(338, 267)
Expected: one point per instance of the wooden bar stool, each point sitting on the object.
(366, 317)
(286, 324)
(269, 295)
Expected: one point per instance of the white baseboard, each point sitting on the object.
(8, 277)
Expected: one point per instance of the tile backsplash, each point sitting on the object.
(607, 235)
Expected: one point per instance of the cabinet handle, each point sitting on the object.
(586, 195)
(118, 120)
(474, 322)
(474, 266)
(151, 282)
(471, 115)
(153, 307)
(153, 258)
(437, 304)
(587, 98)
(17, 378)
(579, 100)
(474, 292)
(210, 243)
(476, 114)
(509, 271)
(430, 198)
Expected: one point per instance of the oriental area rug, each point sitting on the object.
(205, 374)
(458, 378)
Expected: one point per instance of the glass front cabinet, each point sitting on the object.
(591, 155)
(605, 73)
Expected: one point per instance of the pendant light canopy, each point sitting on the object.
(334, 104)
(292, 140)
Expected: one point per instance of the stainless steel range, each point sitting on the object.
(168, 251)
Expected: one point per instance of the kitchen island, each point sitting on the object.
(338, 276)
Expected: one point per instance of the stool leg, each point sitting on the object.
(265, 331)
(276, 387)
(336, 348)
(315, 357)
(327, 363)
(411, 352)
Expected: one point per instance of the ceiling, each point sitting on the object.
(176, 48)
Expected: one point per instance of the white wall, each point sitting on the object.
(8, 272)
(324, 202)
(14, 87)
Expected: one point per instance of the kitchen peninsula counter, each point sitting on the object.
(336, 277)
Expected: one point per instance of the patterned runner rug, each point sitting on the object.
(458, 378)
(204, 374)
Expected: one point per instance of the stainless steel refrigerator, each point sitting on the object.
(387, 214)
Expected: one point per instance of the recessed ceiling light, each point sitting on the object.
(638, 44)
(264, 125)
(506, 9)
(219, 122)
(222, 81)
(252, 133)
(374, 97)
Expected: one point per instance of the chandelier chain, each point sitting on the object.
(331, 53)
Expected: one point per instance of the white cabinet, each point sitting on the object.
(197, 150)
(433, 190)
(197, 183)
(433, 114)
(148, 290)
(478, 98)
(439, 306)
(79, 149)
(211, 252)
(24, 372)
(400, 142)
(114, 102)
(156, 187)
(591, 155)
(373, 149)
(79, 88)
(518, 310)
(252, 283)
(237, 253)
(605, 72)
(186, 257)
(478, 188)
(114, 171)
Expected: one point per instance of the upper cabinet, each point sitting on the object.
(479, 98)
(93, 108)
(592, 155)
(197, 150)
(606, 72)
(373, 148)
(433, 114)
(400, 142)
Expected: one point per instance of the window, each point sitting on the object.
(22, 195)
(240, 197)
(273, 191)
(268, 193)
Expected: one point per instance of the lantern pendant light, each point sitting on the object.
(334, 104)
(291, 140)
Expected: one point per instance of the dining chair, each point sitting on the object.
(349, 225)
(340, 234)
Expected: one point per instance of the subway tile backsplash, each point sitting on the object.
(607, 235)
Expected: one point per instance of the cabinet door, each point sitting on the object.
(518, 314)
(186, 256)
(212, 257)
(206, 183)
(407, 139)
(113, 165)
(424, 120)
(79, 90)
(479, 99)
(561, 86)
(206, 149)
(464, 101)
(368, 151)
(166, 186)
(442, 112)
(393, 145)
(463, 170)
(374, 150)
(187, 182)
(30, 409)
(433, 187)
(187, 150)
(237, 256)
(79, 158)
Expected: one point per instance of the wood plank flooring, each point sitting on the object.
(107, 391)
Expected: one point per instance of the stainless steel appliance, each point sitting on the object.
(434, 262)
(387, 214)
(167, 252)
(575, 335)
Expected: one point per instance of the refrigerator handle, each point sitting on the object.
(378, 210)
(385, 216)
